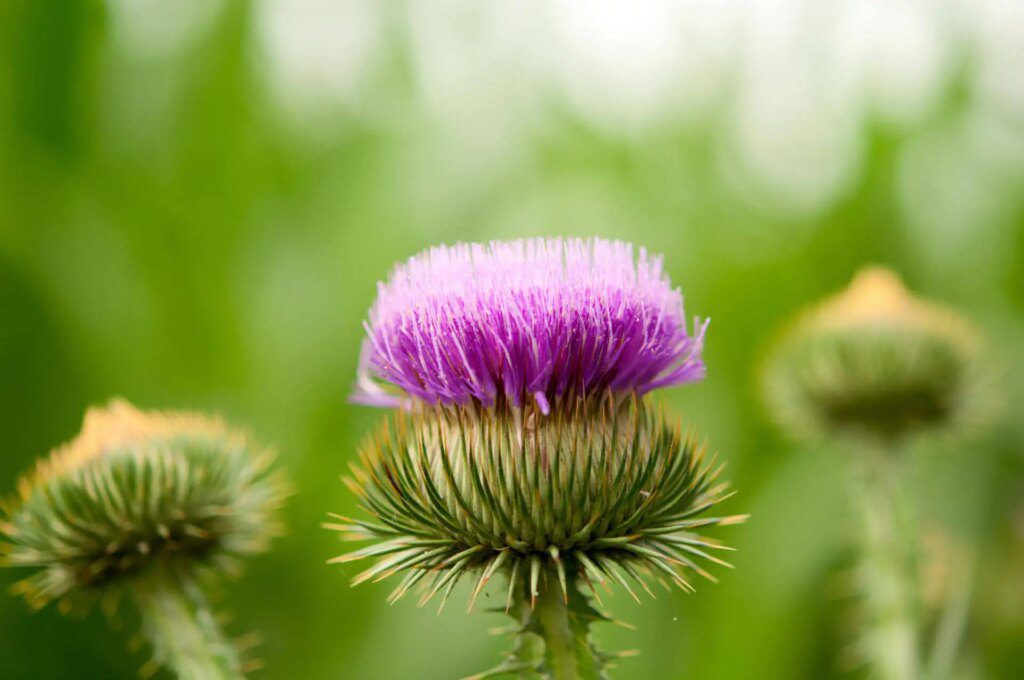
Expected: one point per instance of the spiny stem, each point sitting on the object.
(527, 651)
(563, 623)
(888, 554)
(182, 630)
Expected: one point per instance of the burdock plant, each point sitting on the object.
(874, 369)
(524, 445)
(146, 505)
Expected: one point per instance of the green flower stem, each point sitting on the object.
(561, 619)
(528, 650)
(888, 553)
(952, 625)
(183, 631)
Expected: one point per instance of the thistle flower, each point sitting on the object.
(527, 320)
(144, 503)
(526, 447)
(875, 360)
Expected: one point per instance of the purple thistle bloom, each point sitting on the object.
(532, 318)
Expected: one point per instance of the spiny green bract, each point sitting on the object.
(606, 491)
(876, 361)
(137, 490)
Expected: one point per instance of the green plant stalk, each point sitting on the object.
(951, 626)
(525, 656)
(564, 626)
(888, 561)
(182, 630)
(554, 620)
(552, 629)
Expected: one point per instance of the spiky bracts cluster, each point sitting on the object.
(135, 491)
(874, 360)
(604, 490)
(526, 321)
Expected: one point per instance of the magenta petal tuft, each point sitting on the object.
(532, 318)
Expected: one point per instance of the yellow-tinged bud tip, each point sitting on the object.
(118, 426)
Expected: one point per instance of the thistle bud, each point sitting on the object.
(875, 361)
(871, 367)
(143, 502)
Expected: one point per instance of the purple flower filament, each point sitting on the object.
(527, 319)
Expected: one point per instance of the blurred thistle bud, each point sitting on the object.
(145, 503)
(876, 361)
(525, 447)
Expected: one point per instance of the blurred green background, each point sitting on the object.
(198, 197)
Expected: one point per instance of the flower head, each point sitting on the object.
(136, 489)
(526, 321)
(875, 360)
